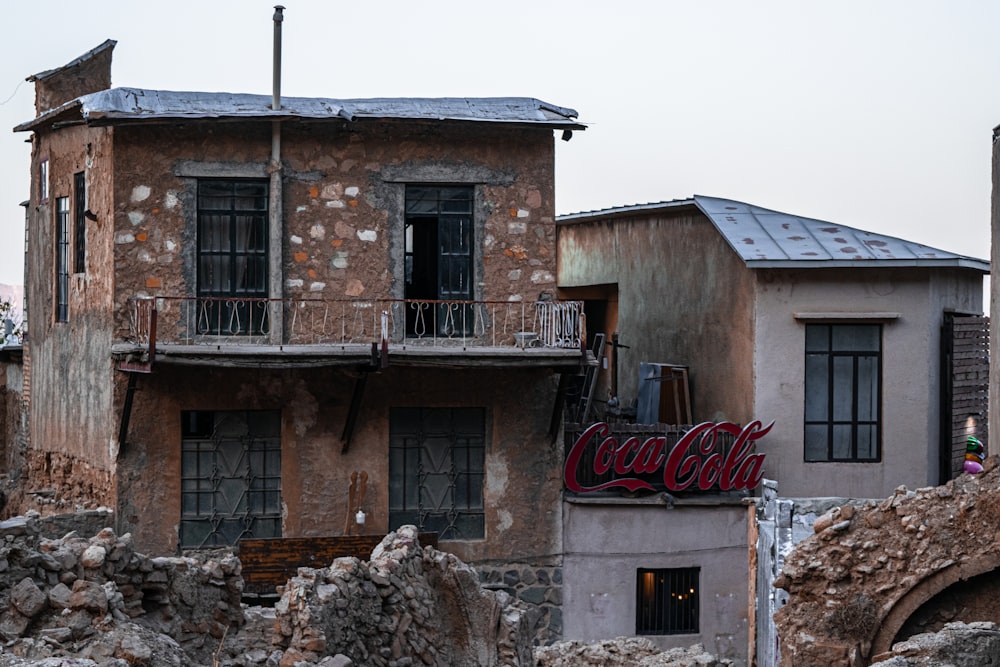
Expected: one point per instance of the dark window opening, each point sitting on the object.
(79, 223)
(62, 259)
(438, 259)
(843, 392)
(232, 257)
(230, 476)
(666, 601)
(436, 464)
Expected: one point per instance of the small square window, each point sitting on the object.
(666, 601)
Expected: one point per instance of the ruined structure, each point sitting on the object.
(239, 301)
(872, 577)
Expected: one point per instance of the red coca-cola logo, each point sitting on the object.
(694, 460)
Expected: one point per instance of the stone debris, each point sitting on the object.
(957, 645)
(624, 651)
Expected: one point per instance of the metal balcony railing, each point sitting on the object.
(252, 321)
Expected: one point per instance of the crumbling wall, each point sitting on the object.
(406, 602)
(956, 645)
(854, 584)
(59, 596)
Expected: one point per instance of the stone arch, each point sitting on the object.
(923, 592)
(858, 582)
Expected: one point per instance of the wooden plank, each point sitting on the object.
(270, 562)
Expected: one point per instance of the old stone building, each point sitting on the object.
(254, 316)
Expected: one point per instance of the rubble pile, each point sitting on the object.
(624, 651)
(408, 605)
(97, 598)
(957, 645)
(846, 578)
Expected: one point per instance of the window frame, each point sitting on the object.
(835, 378)
(232, 308)
(460, 513)
(61, 264)
(43, 180)
(655, 613)
(79, 222)
(201, 443)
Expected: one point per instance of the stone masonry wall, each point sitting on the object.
(536, 586)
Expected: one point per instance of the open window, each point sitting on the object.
(438, 256)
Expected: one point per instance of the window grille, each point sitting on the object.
(667, 601)
(79, 223)
(230, 477)
(436, 463)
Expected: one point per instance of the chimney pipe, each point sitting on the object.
(276, 89)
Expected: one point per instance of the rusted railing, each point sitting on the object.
(244, 322)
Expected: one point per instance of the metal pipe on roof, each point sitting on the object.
(276, 66)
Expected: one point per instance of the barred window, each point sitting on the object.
(230, 476)
(436, 462)
(666, 601)
(62, 259)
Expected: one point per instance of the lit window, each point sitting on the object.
(843, 392)
(666, 601)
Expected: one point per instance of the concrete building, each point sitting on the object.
(734, 313)
(254, 316)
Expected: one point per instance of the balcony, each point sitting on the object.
(260, 331)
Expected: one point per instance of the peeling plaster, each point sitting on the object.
(504, 521)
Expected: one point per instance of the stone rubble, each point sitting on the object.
(75, 601)
(624, 651)
(957, 645)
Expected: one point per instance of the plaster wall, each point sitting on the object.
(606, 543)
(684, 298)
(72, 414)
(523, 466)
(911, 382)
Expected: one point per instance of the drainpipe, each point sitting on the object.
(275, 200)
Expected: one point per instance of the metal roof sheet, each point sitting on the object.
(128, 104)
(764, 238)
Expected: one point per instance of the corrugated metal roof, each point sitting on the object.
(132, 104)
(764, 238)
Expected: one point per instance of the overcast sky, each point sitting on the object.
(873, 114)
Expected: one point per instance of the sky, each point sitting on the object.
(875, 114)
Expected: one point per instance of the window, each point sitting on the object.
(438, 258)
(230, 476)
(436, 458)
(43, 181)
(232, 257)
(79, 223)
(843, 392)
(62, 259)
(666, 601)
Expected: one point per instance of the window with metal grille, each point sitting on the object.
(79, 223)
(230, 476)
(666, 601)
(436, 462)
(62, 259)
(843, 392)
(232, 257)
(438, 258)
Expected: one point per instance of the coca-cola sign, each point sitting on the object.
(696, 459)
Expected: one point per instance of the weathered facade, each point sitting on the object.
(257, 319)
(832, 333)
